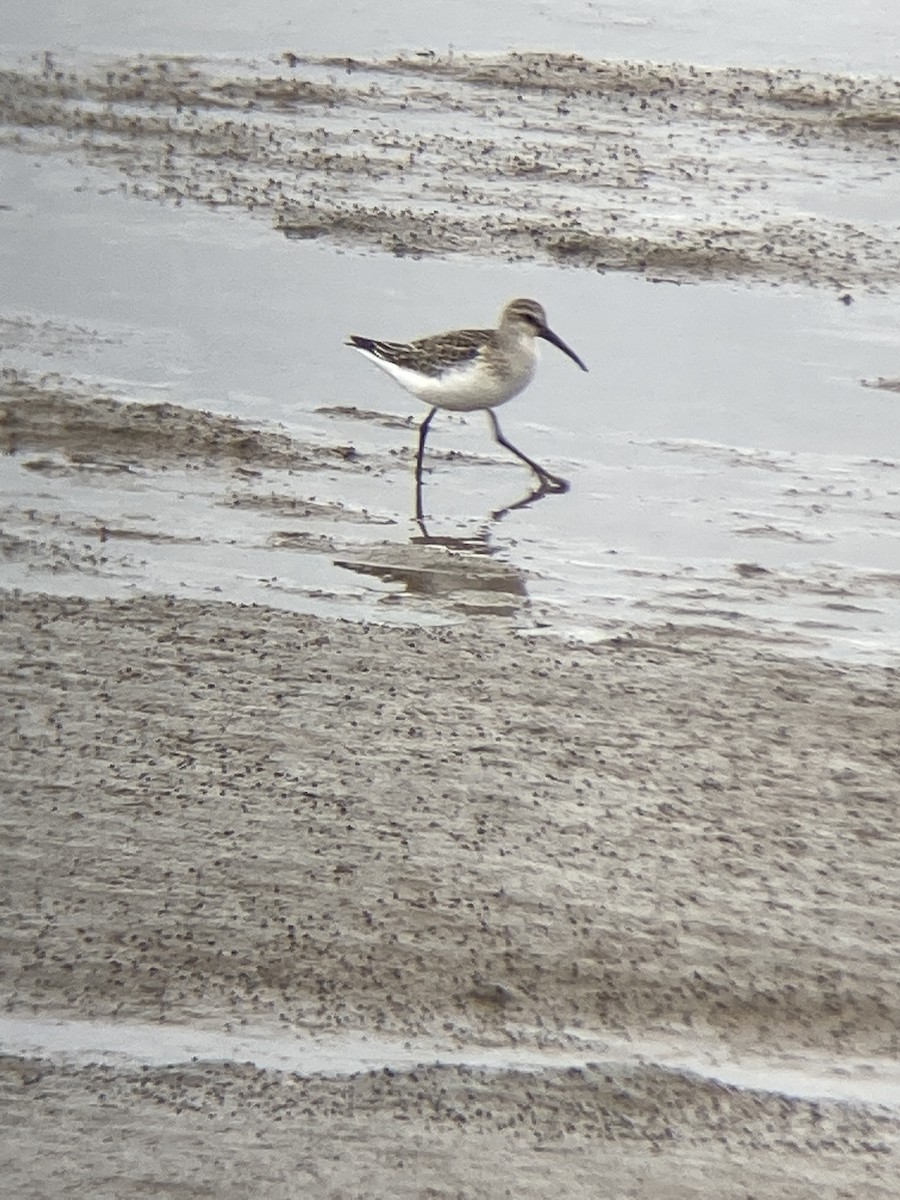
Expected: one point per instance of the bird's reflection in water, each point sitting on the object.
(447, 569)
(543, 489)
(477, 542)
(548, 485)
(459, 569)
(536, 494)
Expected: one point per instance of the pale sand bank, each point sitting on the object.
(219, 814)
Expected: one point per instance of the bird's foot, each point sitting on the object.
(553, 483)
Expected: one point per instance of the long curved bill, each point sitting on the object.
(549, 336)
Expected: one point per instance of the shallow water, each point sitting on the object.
(861, 37)
(727, 466)
(874, 1084)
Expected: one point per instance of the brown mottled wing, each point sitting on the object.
(429, 355)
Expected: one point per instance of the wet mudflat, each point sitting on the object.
(110, 496)
(678, 173)
(286, 768)
(729, 465)
(234, 815)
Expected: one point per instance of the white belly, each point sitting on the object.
(466, 388)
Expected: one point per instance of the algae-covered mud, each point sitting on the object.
(671, 171)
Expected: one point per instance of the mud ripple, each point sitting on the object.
(674, 171)
(49, 413)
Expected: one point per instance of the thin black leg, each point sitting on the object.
(423, 434)
(550, 482)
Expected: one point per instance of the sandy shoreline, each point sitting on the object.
(348, 763)
(301, 906)
(220, 814)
